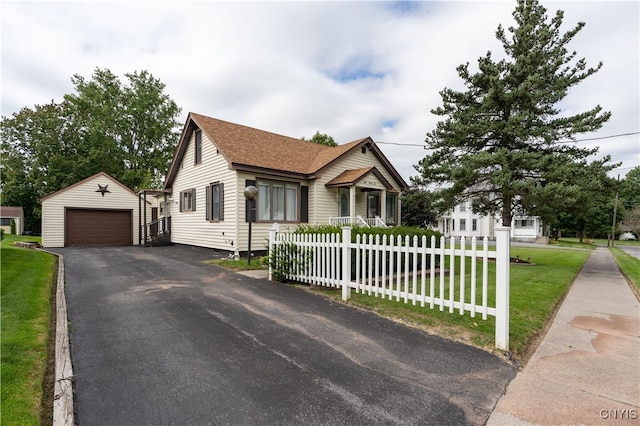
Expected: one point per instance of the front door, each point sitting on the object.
(154, 217)
(373, 204)
(344, 204)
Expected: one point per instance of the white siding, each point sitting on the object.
(84, 196)
(192, 227)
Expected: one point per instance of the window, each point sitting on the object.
(277, 201)
(463, 207)
(5, 221)
(188, 200)
(463, 224)
(198, 147)
(474, 224)
(215, 202)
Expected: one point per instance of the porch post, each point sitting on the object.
(144, 212)
(383, 206)
(503, 246)
(352, 204)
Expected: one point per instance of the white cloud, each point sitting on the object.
(298, 67)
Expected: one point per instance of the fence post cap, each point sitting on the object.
(275, 227)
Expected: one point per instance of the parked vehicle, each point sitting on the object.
(627, 236)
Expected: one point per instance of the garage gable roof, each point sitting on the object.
(249, 149)
(97, 175)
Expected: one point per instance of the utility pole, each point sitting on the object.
(615, 212)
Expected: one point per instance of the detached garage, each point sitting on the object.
(98, 211)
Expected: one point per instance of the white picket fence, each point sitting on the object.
(416, 271)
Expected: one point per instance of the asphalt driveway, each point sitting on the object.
(160, 338)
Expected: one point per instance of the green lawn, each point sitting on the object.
(27, 277)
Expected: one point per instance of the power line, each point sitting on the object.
(575, 141)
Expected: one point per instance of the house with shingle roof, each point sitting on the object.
(9, 215)
(297, 181)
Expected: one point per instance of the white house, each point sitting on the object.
(298, 182)
(462, 221)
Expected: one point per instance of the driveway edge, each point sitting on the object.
(63, 386)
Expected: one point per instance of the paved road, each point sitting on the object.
(160, 338)
(632, 250)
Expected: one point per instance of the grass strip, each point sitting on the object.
(629, 265)
(27, 277)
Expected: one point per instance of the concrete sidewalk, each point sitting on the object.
(587, 368)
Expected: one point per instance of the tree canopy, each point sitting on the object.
(322, 139)
(500, 143)
(128, 130)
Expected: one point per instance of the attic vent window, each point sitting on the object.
(364, 149)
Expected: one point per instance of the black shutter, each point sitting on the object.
(222, 201)
(207, 208)
(181, 201)
(193, 199)
(247, 204)
(304, 204)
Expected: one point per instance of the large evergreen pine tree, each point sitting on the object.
(499, 142)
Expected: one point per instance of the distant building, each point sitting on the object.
(8, 214)
(462, 221)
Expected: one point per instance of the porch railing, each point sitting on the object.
(368, 222)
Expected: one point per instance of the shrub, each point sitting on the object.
(285, 258)
(13, 226)
(1, 234)
(365, 232)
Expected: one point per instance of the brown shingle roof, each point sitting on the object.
(8, 211)
(351, 177)
(247, 148)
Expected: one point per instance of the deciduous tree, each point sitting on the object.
(127, 130)
(322, 139)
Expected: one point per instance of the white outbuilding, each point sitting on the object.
(97, 211)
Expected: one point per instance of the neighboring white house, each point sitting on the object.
(97, 211)
(462, 221)
(10, 214)
(298, 182)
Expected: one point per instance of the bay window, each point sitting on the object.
(277, 201)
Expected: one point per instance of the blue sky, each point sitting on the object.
(348, 69)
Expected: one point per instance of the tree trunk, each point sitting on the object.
(507, 216)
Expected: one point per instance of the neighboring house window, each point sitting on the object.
(188, 200)
(5, 221)
(463, 224)
(277, 201)
(215, 202)
(161, 208)
(198, 147)
(392, 208)
(453, 224)
(474, 224)
(463, 208)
